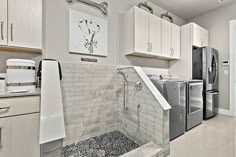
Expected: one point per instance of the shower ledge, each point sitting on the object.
(148, 150)
(164, 104)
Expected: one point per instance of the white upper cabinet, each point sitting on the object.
(200, 36)
(170, 40)
(142, 33)
(192, 35)
(166, 38)
(25, 23)
(155, 34)
(3, 22)
(141, 30)
(175, 41)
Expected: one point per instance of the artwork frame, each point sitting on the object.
(88, 34)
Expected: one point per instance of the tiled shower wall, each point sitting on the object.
(153, 121)
(90, 101)
(93, 105)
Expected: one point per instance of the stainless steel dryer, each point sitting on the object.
(174, 91)
(194, 103)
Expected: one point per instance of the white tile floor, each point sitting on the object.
(213, 138)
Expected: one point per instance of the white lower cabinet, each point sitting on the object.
(19, 134)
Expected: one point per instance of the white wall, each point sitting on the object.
(156, 71)
(233, 66)
(56, 32)
(217, 22)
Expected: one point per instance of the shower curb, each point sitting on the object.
(148, 150)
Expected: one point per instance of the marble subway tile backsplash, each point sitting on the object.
(93, 105)
(90, 101)
(153, 120)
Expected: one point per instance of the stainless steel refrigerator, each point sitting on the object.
(205, 67)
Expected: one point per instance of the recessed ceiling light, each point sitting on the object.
(221, 1)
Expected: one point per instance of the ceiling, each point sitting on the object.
(188, 9)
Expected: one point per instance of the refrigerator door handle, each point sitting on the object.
(213, 93)
(216, 77)
(210, 70)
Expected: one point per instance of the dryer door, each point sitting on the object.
(195, 97)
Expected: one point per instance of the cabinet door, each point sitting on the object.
(25, 23)
(20, 136)
(155, 34)
(141, 23)
(3, 22)
(205, 37)
(166, 38)
(175, 42)
(200, 36)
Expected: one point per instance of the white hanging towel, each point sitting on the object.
(52, 125)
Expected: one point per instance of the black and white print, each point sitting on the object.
(87, 34)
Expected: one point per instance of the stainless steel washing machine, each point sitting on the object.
(174, 91)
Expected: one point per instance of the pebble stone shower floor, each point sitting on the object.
(112, 144)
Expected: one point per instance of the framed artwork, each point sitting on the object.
(87, 34)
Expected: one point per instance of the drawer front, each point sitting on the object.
(19, 106)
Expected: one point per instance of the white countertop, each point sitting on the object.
(6, 94)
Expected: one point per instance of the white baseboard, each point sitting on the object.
(225, 112)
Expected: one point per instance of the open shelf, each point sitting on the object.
(21, 50)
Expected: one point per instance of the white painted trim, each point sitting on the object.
(232, 60)
(162, 101)
(225, 112)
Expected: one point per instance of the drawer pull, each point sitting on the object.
(5, 108)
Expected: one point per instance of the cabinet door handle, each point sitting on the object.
(2, 25)
(173, 52)
(12, 32)
(151, 47)
(1, 143)
(202, 42)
